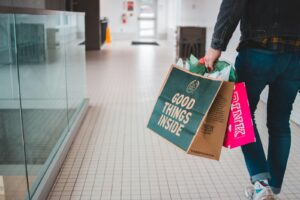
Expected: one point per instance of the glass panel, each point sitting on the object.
(75, 63)
(13, 181)
(41, 60)
(41, 89)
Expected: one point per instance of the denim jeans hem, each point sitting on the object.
(276, 190)
(260, 176)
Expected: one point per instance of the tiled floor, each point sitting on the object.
(115, 156)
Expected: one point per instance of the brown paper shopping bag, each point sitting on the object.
(192, 112)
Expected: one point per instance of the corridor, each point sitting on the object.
(114, 155)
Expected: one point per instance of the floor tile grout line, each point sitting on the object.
(116, 142)
(98, 135)
(90, 136)
(88, 115)
(110, 138)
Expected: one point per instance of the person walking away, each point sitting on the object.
(268, 54)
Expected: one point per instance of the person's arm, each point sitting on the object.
(228, 18)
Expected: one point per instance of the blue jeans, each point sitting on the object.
(281, 71)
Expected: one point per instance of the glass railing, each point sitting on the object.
(42, 90)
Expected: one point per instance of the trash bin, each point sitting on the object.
(190, 40)
(103, 25)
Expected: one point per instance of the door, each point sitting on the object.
(147, 18)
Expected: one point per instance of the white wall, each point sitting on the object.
(194, 12)
(162, 21)
(173, 18)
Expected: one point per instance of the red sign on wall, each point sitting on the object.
(130, 5)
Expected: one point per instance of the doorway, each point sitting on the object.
(147, 20)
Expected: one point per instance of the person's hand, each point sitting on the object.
(211, 58)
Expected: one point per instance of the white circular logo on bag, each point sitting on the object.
(192, 86)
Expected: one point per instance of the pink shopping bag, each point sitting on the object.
(240, 129)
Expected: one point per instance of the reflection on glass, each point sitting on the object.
(13, 181)
(75, 59)
(42, 88)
